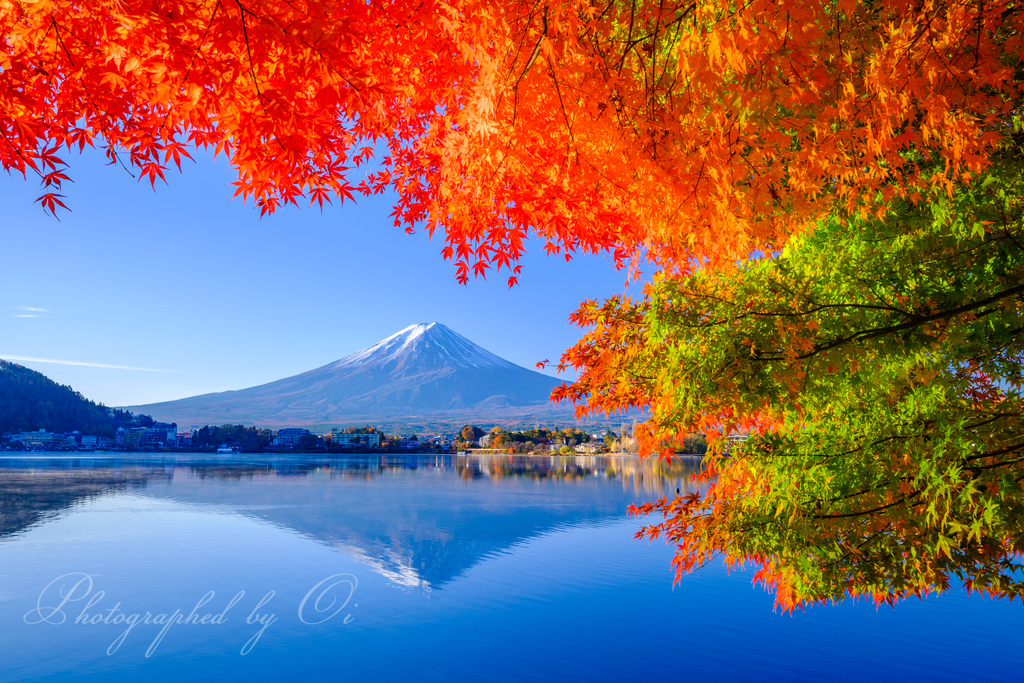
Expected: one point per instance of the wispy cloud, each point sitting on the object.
(30, 312)
(76, 362)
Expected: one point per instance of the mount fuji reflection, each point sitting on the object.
(418, 520)
(423, 568)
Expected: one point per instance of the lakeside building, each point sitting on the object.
(339, 437)
(41, 439)
(44, 440)
(164, 436)
(133, 438)
(289, 438)
(442, 440)
(160, 435)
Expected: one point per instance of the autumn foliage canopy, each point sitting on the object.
(828, 194)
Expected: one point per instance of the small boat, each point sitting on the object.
(224, 448)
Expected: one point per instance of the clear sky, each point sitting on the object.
(188, 291)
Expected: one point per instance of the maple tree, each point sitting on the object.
(876, 363)
(741, 150)
(669, 130)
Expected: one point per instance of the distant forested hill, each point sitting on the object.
(30, 400)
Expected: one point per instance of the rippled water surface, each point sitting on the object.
(418, 568)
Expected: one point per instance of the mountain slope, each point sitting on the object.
(422, 371)
(30, 400)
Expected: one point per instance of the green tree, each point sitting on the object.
(876, 361)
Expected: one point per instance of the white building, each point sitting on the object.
(289, 438)
(340, 437)
(41, 439)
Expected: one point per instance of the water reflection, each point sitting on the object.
(31, 494)
(421, 521)
(481, 568)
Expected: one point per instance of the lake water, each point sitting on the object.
(416, 568)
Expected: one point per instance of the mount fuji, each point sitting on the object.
(424, 374)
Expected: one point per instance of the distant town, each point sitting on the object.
(37, 414)
(160, 436)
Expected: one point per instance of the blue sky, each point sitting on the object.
(195, 285)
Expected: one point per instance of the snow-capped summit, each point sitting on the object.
(424, 340)
(425, 369)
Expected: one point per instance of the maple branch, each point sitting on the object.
(993, 454)
(519, 48)
(654, 68)
(113, 153)
(861, 513)
(874, 286)
(815, 308)
(894, 437)
(512, 66)
(858, 549)
(629, 35)
(56, 32)
(536, 48)
(1004, 235)
(981, 28)
(917, 321)
(28, 163)
(241, 13)
(1000, 464)
(80, 39)
(202, 41)
(558, 91)
(881, 485)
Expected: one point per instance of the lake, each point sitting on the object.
(416, 568)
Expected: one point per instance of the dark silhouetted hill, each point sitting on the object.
(30, 400)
